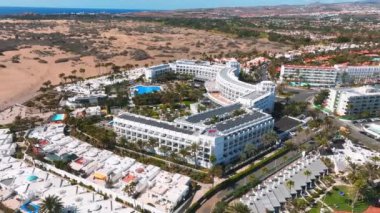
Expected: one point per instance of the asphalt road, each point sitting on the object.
(259, 174)
(300, 94)
(355, 133)
(274, 165)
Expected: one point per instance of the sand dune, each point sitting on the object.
(40, 43)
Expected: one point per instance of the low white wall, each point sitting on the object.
(98, 188)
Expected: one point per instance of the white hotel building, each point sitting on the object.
(223, 79)
(317, 76)
(353, 101)
(224, 137)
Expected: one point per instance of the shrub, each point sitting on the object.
(61, 60)
(119, 200)
(139, 55)
(41, 61)
(310, 199)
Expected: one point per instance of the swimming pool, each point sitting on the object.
(30, 207)
(58, 117)
(373, 129)
(140, 90)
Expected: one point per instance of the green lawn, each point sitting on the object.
(187, 103)
(342, 202)
(316, 209)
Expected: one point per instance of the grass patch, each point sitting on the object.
(187, 103)
(343, 202)
(316, 209)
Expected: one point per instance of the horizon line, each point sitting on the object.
(190, 8)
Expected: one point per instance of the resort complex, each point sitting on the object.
(319, 76)
(221, 82)
(222, 132)
(354, 101)
(232, 109)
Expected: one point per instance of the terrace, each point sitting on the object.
(24, 186)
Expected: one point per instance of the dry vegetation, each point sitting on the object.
(34, 51)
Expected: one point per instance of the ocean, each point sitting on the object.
(52, 11)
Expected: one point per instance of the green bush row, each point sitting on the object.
(233, 179)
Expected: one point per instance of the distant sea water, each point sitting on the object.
(52, 11)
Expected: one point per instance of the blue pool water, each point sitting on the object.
(30, 207)
(146, 89)
(32, 178)
(58, 117)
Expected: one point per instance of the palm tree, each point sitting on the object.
(322, 141)
(269, 138)
(290, 185)
(140, 144)
(130, 188)
(111, 78)
(307, 173)
(237, 208)
(89, 86)
(51, 204)
(359, 185)
(327, 122)
(152, 143)
(194, 150)
(212, 170)
(213, 159)
(184, 152)
(289, 144)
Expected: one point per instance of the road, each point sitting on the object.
(272, 166)
(354, 133)
(260, 174)
(300, 94)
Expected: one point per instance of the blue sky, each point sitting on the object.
(152, 4)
